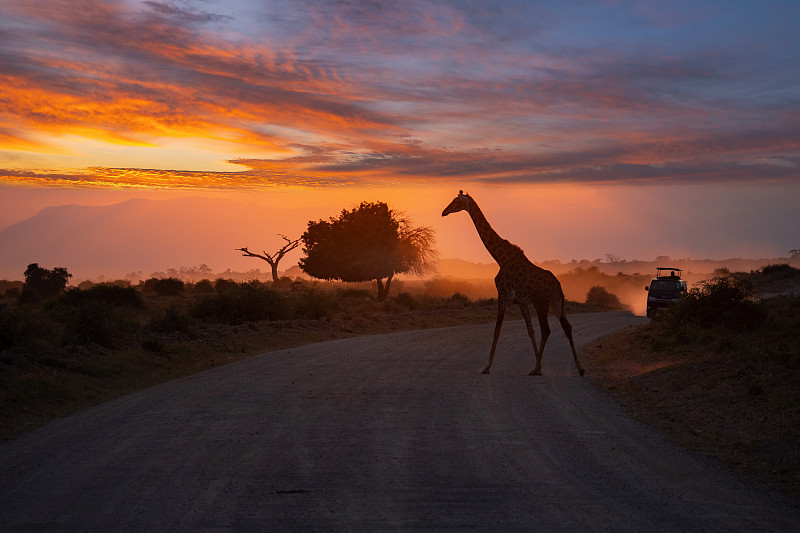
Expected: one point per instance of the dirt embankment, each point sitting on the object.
(741, 410)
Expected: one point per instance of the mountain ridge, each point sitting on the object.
(141, 235)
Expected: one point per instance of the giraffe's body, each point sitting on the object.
(518, 281)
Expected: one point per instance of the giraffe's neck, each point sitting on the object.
(498, 247)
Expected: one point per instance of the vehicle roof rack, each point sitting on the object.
(673, 269)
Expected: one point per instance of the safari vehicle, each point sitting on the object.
(664, 289)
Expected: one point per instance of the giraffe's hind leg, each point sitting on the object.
(544, 328)
(526, 313)
(568, 330)
(501, 311)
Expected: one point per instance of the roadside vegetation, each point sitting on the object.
(65, 349)
(719, 372)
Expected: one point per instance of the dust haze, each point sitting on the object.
(624, 279)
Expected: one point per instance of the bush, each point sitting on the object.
(354, 294)
(314, 304)
(222, 285)
(459, 300)
(167, 287)
(92, 324)
(203, 286)
(98, 322)
(598, 295)
(283, 283)
(173, 319)
(13, 292)
(406, 300)
(781, 271)
(111, 295)
(102, 314)
(239, 303)
(9, 321)
(724, 300)
(10, 289)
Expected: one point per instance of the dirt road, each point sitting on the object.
(391, 432)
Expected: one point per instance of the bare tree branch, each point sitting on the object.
(274, 258)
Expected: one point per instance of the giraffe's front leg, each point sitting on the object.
(526, 313)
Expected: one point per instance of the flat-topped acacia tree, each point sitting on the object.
(369, 242)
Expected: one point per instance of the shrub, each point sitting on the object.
(203, 286)
(9, 321)
(314, 304)
(102, 314)
(354, 294)
(93, 324)
(168, 287)
(459, 300)
(781, 271)
(222, 285)
(283, 283)
(598, 295)
(724, 300)
(98, 322)
(13, 292)
(10, 289)
(239, 303)
(148, 284)
(406, 300)
(444, 287)
(112, 295)
(172, 319)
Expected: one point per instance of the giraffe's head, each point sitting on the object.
(459, 203)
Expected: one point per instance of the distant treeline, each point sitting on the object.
(459, 269)
(693, 268)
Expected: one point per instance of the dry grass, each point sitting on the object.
(738, 407)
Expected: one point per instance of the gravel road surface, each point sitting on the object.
(383, 433)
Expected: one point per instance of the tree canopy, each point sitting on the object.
(43, 283)
(369, 242)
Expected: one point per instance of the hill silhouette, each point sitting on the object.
(141, 235)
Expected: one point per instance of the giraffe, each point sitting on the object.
(518, 281)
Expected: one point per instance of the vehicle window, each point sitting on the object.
(665, 285)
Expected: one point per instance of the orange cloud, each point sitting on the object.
(136, 178)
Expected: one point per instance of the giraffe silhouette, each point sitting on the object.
(518, 281)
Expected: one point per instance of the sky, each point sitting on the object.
(632, 128)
